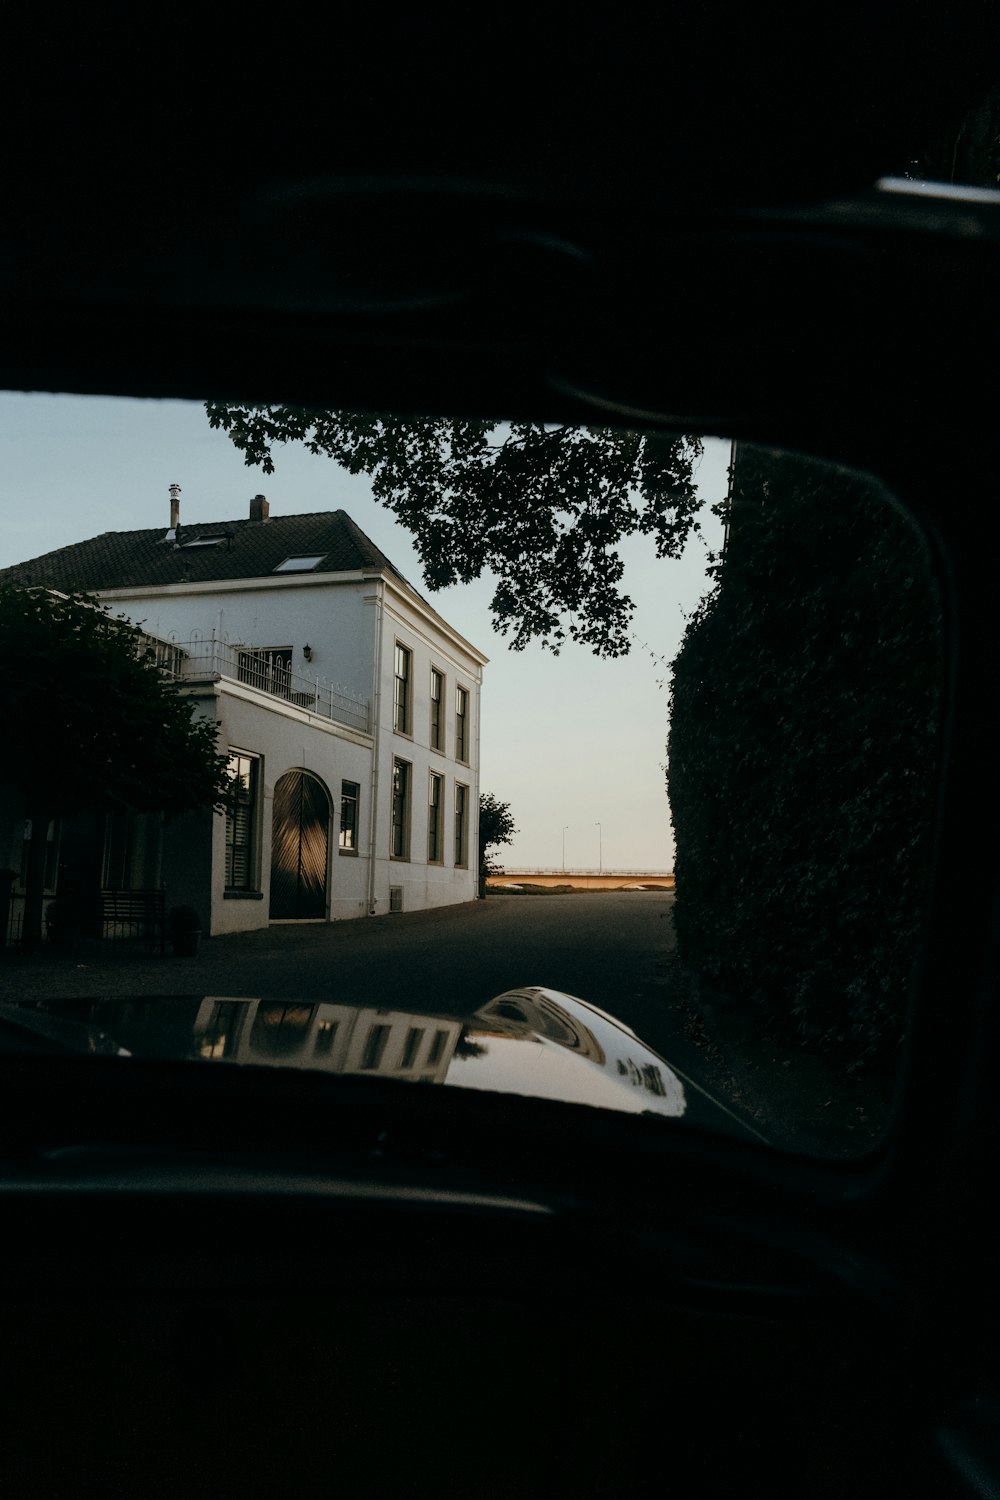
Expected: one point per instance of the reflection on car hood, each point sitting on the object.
(532, 1041)
(24, 1029)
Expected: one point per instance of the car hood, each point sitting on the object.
(534, 1041)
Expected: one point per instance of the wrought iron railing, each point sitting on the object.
(169, 657)
(269, 671)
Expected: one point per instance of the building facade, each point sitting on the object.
(349, 708)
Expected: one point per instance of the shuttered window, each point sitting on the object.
(240, 824)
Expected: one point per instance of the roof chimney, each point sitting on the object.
(259, 508)
(175, 506)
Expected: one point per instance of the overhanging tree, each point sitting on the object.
(92, 723)
(544, 508)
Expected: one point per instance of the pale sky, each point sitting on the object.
(566, 740)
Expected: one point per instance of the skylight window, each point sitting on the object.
(204, 541)
(301, 564)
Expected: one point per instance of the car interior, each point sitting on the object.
(237, 1282)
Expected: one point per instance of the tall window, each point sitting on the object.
(131, 850)
(435, 814)
(400, 809)
(462, 724)
(414, 1037)
(349, 792)
(222, 1033)
(240, 821)
(461, 825)
(437, 709)
(375, 1046)
(401, 700)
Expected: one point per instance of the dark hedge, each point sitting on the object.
(805, 709)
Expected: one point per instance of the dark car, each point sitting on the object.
(531, 1042)
(266, 1280)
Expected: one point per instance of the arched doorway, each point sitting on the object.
(299, 846)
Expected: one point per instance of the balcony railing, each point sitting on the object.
(169, 656)
(268, 671)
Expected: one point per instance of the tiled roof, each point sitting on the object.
(249, 549)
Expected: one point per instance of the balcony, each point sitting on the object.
(263, 669)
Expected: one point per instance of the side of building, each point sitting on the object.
(350, 711)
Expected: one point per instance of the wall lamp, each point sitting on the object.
(307, 652)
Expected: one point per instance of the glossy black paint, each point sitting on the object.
(527, 1043)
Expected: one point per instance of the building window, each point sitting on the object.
(131, 850)
(437, 709)
(437, 1047)
(349, 792)
(400, 809)
(375, 1046)
(401, 700)
(326, 1033)
(222, 1033)
(51, 855)
(414, 1037)
(435, 814)
(461, 825)
(266, 667)
(241, 820)
(300, 563)
(462, 724)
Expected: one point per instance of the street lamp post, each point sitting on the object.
(564, 848)
(600, 848)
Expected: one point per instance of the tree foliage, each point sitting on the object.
(90, 720)
(91, 723)
(496, 822)
(804, 720)
(542, 508)
(496, 827)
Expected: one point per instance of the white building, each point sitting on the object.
(350, 709)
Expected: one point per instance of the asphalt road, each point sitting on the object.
(607, 947)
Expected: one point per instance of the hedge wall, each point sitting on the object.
(805, 708)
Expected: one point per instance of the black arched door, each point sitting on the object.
(299, 846)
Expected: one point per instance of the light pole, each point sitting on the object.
(600, 848)
(564, 848)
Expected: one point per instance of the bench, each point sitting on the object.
(138, 916)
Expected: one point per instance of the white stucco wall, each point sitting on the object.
(403, 620)
(352, 623)
(323, 611)
(284, 738)
(349, 1028)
